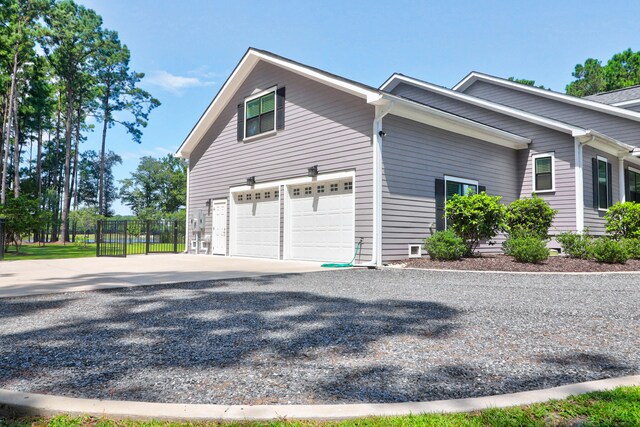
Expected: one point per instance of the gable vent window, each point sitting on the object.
(261, 114)
(543, 173)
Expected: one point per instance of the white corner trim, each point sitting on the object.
(567, 99)
(579, 184)
(553, 171)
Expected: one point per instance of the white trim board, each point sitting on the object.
(567, 99)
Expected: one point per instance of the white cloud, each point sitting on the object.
(175, 84)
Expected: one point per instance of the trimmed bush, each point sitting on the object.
(633, 248)
(529, 216)
(611, 251)
(528, 249)
(445, 246)
(576, 245)
(623, 220)
(475, 217)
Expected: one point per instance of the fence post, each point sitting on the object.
(98, 238)
(175, 236)
(148, 236)
(126, 237)
(2, 223)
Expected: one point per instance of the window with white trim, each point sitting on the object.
(544, 172)
(603, 183)
(260, 114)
(459, 186)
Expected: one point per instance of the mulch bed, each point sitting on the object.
(558, 264)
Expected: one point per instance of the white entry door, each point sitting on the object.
(320, 221)
(219, 239)
(256, 223)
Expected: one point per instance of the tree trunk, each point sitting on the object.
(3, 190)
(16, 150)
(5, 108)
(64, 221)
(74, 181)
(56, 174)
(39, 164)
(105, 124)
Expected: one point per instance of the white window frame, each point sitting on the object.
(603, 159)
(553, 172)
(274, 89)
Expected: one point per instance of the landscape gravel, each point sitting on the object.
(340, 336)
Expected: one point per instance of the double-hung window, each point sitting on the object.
(602, 183)
(634, 185)
(543, 172)
(260, 114)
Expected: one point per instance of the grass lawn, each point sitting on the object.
(619, 407)
(50, 251)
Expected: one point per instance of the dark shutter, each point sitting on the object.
(280, 94)
(482, 188)
(609, 185)
(440, 202)
(240, 122)
(627, 188)
(594, 177)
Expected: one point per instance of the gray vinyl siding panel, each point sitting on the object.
(594, 218)
(413, 156)
(543, 140)
(323, 126)
(624, 130)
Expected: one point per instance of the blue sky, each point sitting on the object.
(187, 48)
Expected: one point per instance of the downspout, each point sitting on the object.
(376, 139)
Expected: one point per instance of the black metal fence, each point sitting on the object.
(2, 237)
(119, 238)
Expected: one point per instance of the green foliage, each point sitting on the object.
(610, 251)
(445, 245)
(529, 216)
(526, 82)
(622, 70)
(475, 217)
(22, 217)
(623, 220)
(89, 183)
(526, 248)
(156, 188)
(633, 247)
(576, 245)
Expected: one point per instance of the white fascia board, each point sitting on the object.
(240, 73)
(605, 143)
(568, 99)
(627, 104)
(456, 124)
(498, 108)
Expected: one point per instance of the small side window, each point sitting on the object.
(543, 172)
(348, 185)
(307, 190)
(333, 187)
(320, 189)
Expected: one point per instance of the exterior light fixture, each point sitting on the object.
(251, 180)
(312, 171)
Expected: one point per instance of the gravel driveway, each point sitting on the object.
(329, 337)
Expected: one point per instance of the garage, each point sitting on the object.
(256, 223)
(319, 221)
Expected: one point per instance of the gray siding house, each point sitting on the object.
(291, 162)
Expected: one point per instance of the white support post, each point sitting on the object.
(579, 185)
(622, 191)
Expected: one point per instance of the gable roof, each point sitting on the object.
(475, 76)
(625, 97)
(397, 105)
(604, 142)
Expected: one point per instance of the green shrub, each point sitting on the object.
(633, 248)
(445, 245)
(475, 217)
(529, 249)
(623, 220)
(529, 216)
(576, 245)
(611, 251)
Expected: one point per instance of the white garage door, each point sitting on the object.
(320, 221)
(256, 224)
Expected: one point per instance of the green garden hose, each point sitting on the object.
(344, 265)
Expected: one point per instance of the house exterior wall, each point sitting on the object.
(544, 140)
(624, 130)
(413, 156)
(323, 126)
